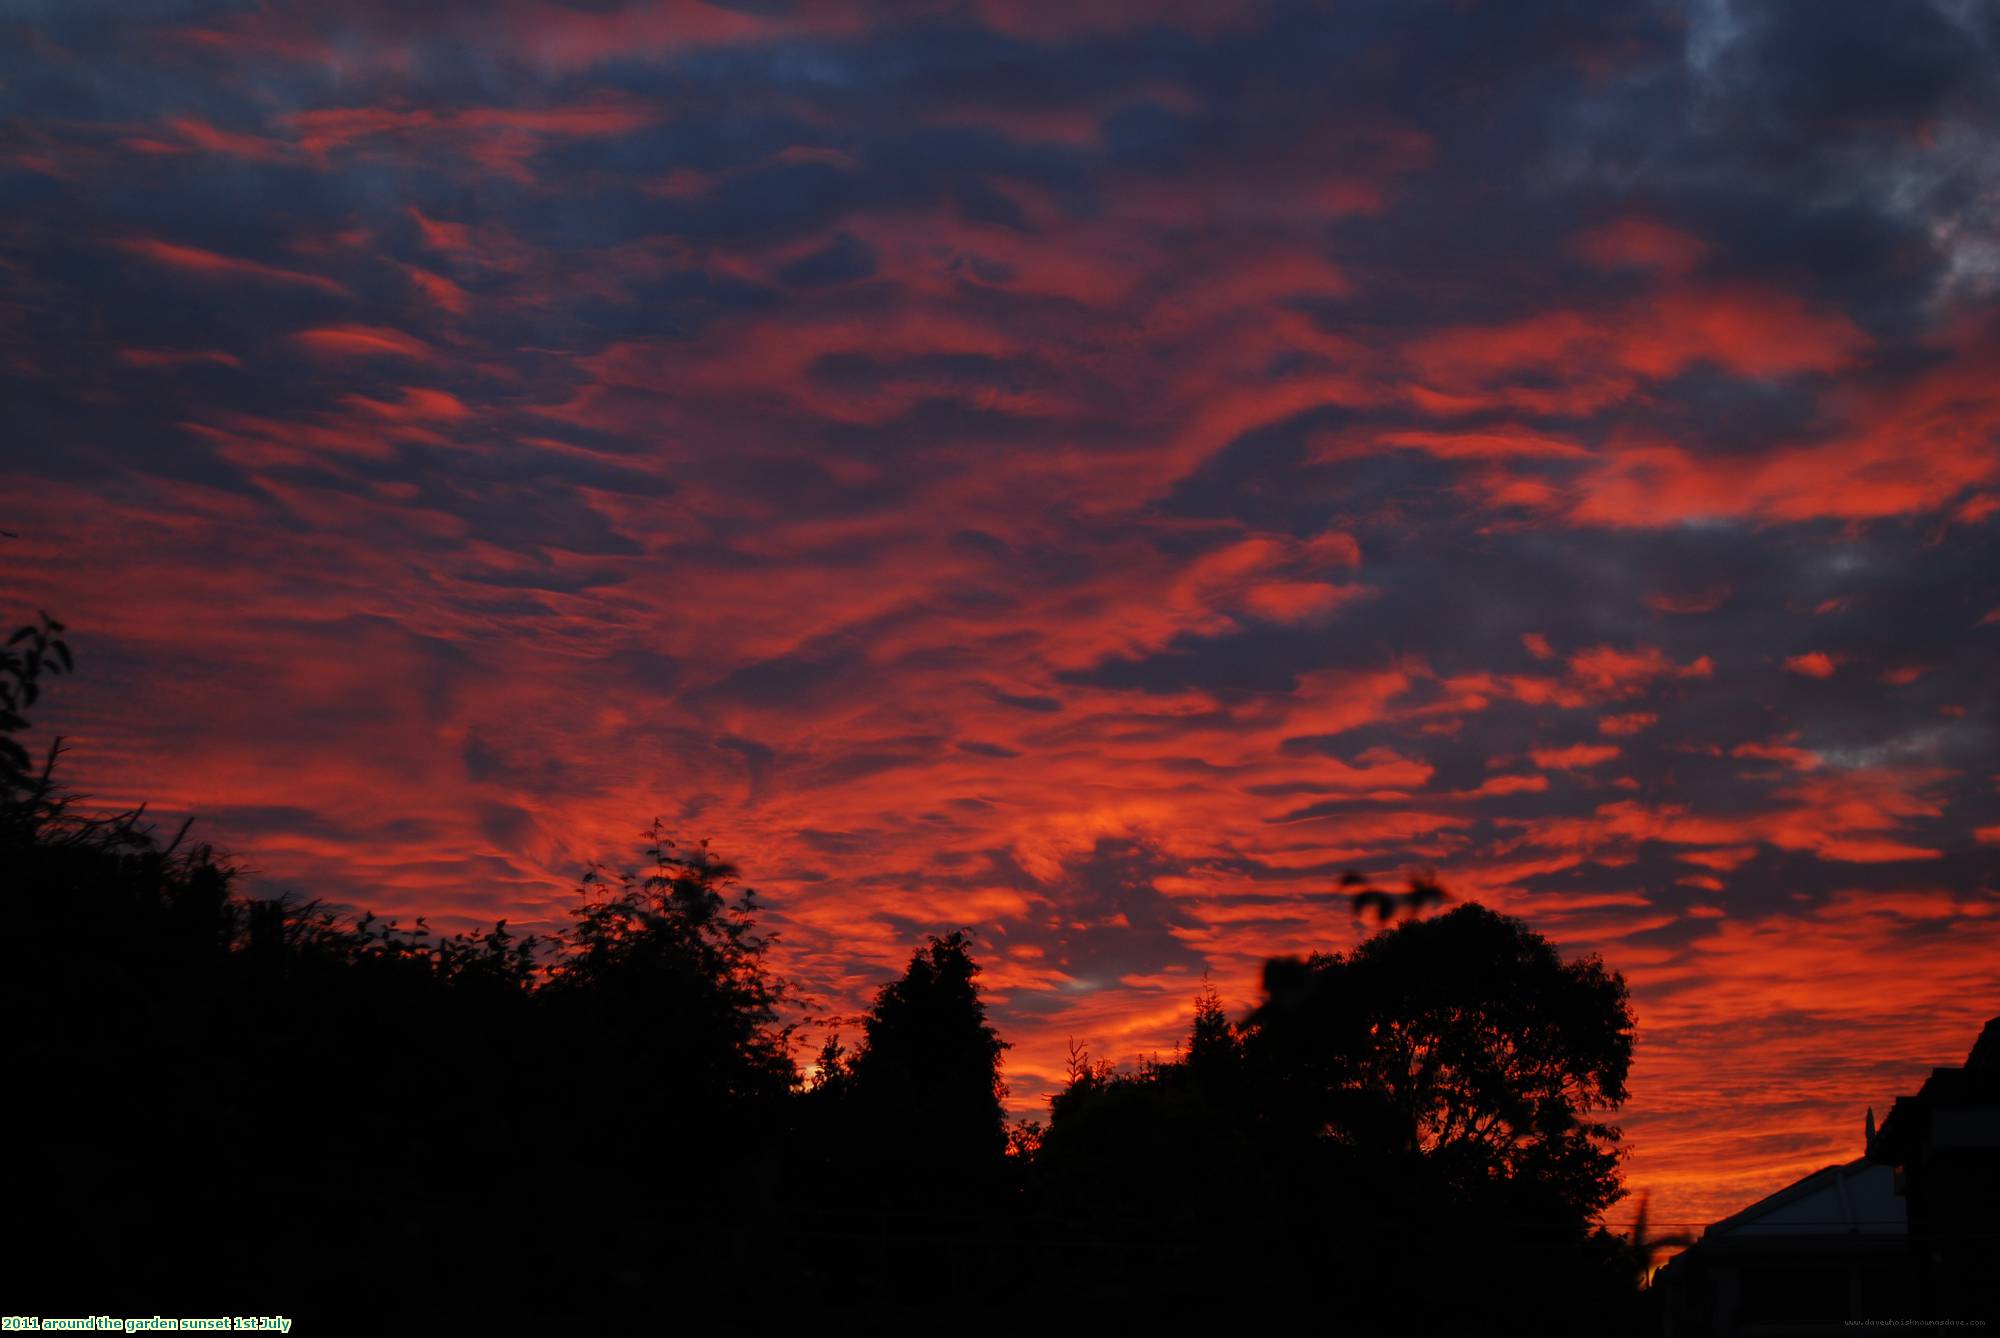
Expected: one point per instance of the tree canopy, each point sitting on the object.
(1431, 1101)
(929, 1061)
(1465, 1038)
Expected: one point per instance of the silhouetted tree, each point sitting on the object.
(668, 977)
(833, 1068)
(1427, 1106)
(898, 1163)
(1458, 1070)
(1214, 1050)
(668, 1066)
(929, 1063)
(1467, 1039)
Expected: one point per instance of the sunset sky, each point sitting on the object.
(1087, 470)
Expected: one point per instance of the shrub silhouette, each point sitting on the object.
(263, 1105)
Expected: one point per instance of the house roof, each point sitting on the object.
(1856, 1198)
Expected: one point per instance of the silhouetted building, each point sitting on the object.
(1910, 1231)
(1943, 1147)
(1827, 1249)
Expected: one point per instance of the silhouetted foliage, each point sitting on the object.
(1423, 892)
(1214, 1051)
(928, 1071)
(1429, 1102)
(664, 974)
(1466, 1039)
(269, 1105)
(32, 651)
(900, 1152)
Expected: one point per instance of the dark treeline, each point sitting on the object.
(226, 1105)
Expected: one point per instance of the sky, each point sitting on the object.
(1091, 471)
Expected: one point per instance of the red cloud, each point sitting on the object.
(1497, 444)
(1747, 331)
(1799, 759)
(558, 39)
(170, 357)
(1609, 672)
(1910, 446)
(1637, 242)
(194, 260)
(438, 290)
(213, 139)
(416, 405)
(1701, 601)
(1497, 785)
(1046, 20)
(361, 341)
(1577, 755)
(498, 139)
